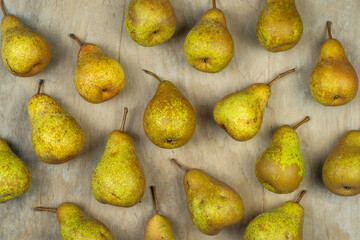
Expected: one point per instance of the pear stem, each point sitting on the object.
(280, 76)
(153, 74)
(214, 3)
(179, 165)
(3, 8)
(124, 119)
(306, 119)
(39, 86)
(300, 196)
(76, 39)
(153, 189)
(45, 209)
(328, 23)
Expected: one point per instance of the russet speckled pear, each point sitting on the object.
(212, 204)
(341, 170)
(15, 176)
(240, 114)
(97, 77)
(56, 136)
(25, 52)
(280, 168)
(334, 81)
(169, 118)
(282, 223)
(76, 224)
(158, 226)
(279, 27)
(118, 178)
(150, 22)
(209, 46)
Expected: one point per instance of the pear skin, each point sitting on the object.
(284, 222)
(334, 81)
(118, 178)
(158, 226)
(212, 204)
(241, 113)
(209, 46)
(341, 170)
(56, 136)
(75, 224)
(15, 176)
(97, 77)
(150, 22)
(280, 168)
(279, 27)
(169, 118)
(25, 52)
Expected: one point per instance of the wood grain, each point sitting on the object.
(102, 22)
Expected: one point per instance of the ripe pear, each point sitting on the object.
(240, 114)
(280, 168)
(341, 170)
(282, 223)
(279, 27)
(169, 118)
(212, 204)
(97, 77)
(75, 224)
(150, 22)
(118, 178)
(209, 46)
(56, 136)
(25, 52)
(158, 226)
(334, 81)
(15, 176)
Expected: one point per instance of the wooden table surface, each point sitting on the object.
(327, 216)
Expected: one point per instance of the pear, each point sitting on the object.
(169, 118)
(334, 81)
(97, 77)
(158, 226)
(25, 52)
(240, 114)
(118, 178)
(150, 22)
(212, 204)
(75, 224)
(282, 223)
(15, 176)
(209, 46)
(341, 170)
(280, 168)
(279, 27)
(56, 136)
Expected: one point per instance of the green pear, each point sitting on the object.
(240, 114)
(158, 226)
(212, 204)
(341, 170)
(209, 46)
(169, 118)
(118, 178)
(150, 22)
(25, 52)
(75, 224)
(15, 176)
(97, 77)
(282, 223)
(56, 136)
(280, 168)
(279, 27)
(334, 81)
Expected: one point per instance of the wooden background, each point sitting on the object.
(327, 216)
